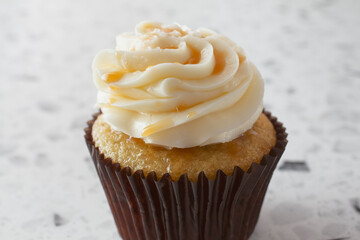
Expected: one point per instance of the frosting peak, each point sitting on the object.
(175, 87)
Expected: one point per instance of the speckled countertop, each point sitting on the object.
(307, 51)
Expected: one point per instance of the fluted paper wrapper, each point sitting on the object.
(226, 207)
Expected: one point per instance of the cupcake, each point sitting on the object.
(182, 145)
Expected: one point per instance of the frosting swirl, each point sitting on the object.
(175, 87)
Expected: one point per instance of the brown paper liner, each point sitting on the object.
(148, 208)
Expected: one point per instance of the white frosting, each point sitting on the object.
(175, 87)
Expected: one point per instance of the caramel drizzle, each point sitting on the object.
(219, 62)
(182, 108)
(155, 127)
(241, 58)
(195, 57)
(112, 77)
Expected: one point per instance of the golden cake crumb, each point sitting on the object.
(134, 153)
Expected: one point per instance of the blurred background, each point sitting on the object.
(307, 51)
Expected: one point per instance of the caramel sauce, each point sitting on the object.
(170, 47)
(241, 58)
(114, 76)
(195, 57)
(219, 62)
(181, 108)
(152, 128)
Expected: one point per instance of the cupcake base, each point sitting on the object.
(149, 208)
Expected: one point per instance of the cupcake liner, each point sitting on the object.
(149, 208)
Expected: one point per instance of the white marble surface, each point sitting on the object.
(307, 51)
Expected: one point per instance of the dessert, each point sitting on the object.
(182, 145)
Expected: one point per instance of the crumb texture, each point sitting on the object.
(134, 153)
